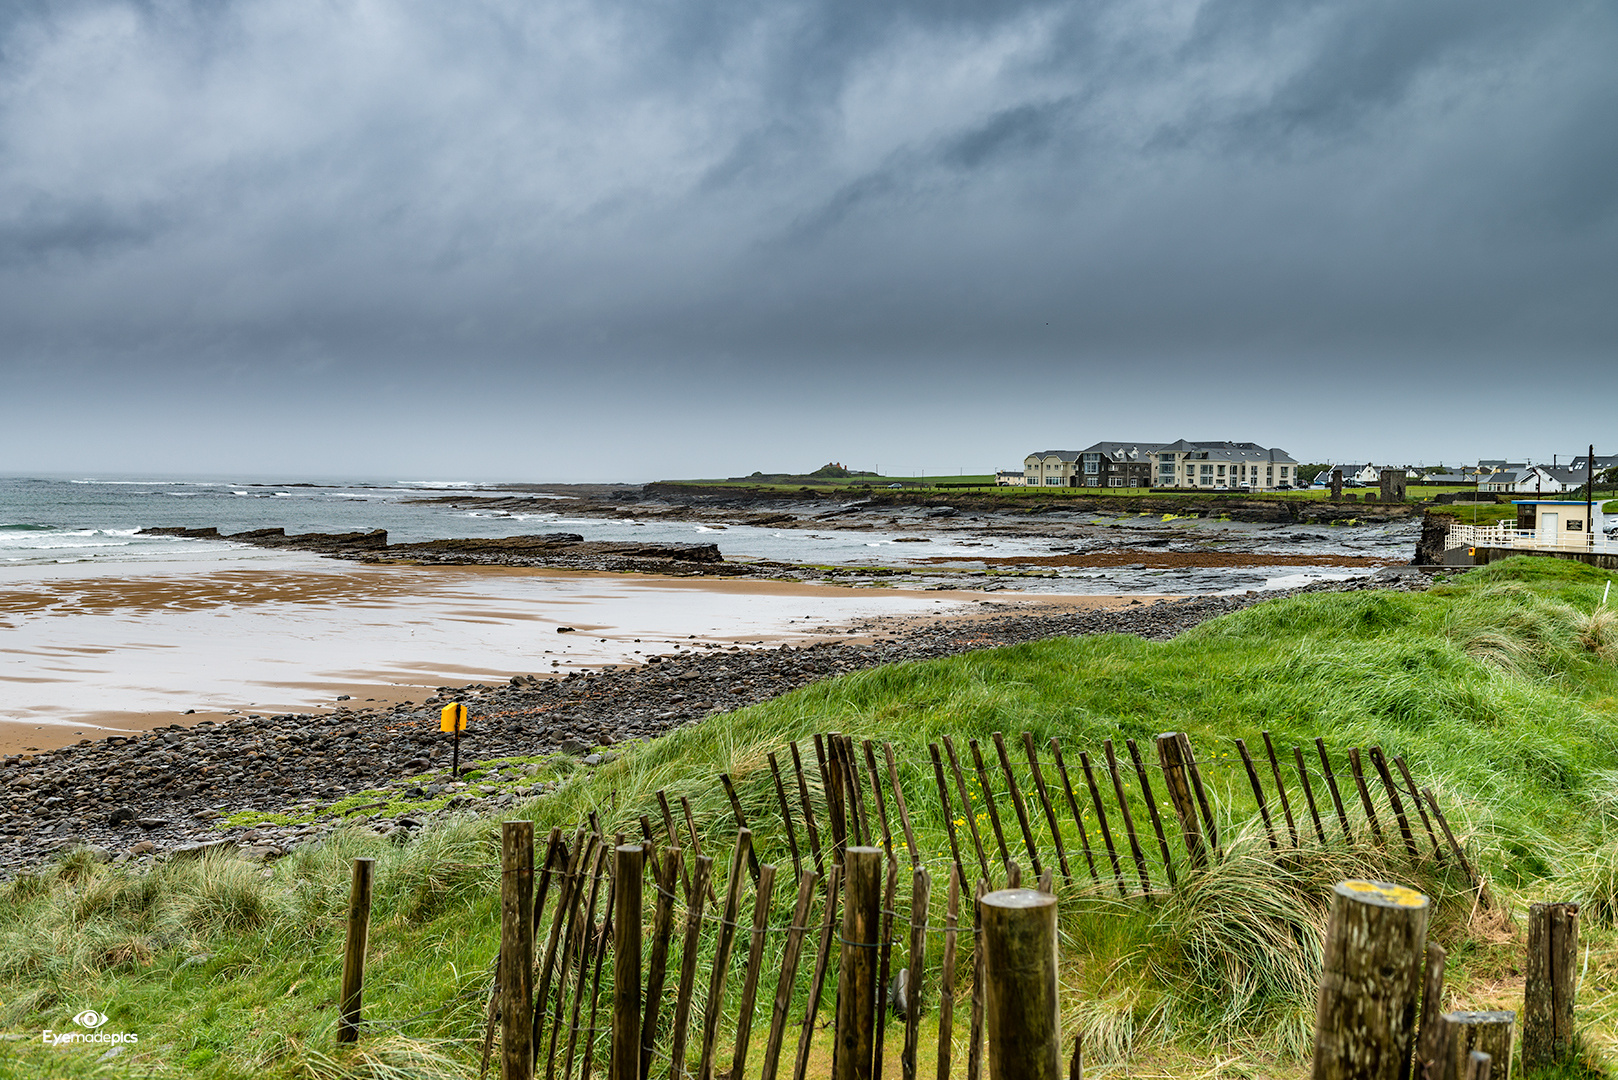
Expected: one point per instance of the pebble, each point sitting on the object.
(178, 786)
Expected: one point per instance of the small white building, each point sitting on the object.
(1541, 525)
(1009, 479)
(1559, 523)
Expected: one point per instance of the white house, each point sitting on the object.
(1352, 474)
(1529, 480)
(1004, 478)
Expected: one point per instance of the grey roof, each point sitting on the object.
(1229, 451)
(1124, 451)
(1603, 461)
(1065, 455)
(1527, 474)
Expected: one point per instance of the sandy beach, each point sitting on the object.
(86, 654)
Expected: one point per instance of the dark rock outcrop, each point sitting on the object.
(1430, 546)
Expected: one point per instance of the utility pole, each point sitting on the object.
(1590, 497)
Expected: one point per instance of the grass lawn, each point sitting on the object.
(1499, 687)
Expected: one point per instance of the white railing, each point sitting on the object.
(1509, 536)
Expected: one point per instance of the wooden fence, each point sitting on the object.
(716, 972)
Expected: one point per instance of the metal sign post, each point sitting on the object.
(453, 719)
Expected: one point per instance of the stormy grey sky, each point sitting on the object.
(618, 239)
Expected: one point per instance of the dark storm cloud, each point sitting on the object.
(863, 183)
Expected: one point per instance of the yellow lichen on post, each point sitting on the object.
(1370, 985)
(1384, 893)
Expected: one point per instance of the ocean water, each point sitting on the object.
(95, 518)
(93, 521)
(101, 629)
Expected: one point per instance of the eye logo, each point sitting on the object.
(90, 1018)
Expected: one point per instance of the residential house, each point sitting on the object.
(1051, 468)
(1009, 479)
(1530, 480)
(1223, 466)
(1603, 463)
(1117, 465)
(1353, 475)
(1454, 478)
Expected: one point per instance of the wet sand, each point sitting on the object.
(84, 655)
(1159, 560)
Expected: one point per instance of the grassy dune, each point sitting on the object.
(1501, 689)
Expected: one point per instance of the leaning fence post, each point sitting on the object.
(1547, 1020)
(856, 977)
(1180, 797)
(920, 895)
(516, 949)
(359, 922)
(626, 937)
(1019, 963)
(1430, 1045)
(1365, 1017)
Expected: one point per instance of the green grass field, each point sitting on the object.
(984, 485)
(1500, 688)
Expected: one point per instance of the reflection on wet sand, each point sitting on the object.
(86, 655)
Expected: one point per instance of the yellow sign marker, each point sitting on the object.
(452, 718)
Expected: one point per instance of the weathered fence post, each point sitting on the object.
(1547, 1019)
(1475, 1032)
(1365, 1017)
(664, 879)
(359, 923)
(626, 936)
(920, 896)
(856, 977)
(946, 984)
(516, 949)
(1019, 963)
(1430, 1044)
(1181, 797)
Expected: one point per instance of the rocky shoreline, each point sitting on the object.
(563, 551)
(261, 785)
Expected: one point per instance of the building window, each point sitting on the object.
(1053, 481)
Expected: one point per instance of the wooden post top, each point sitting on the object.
(1380, 893)
(1015, 899)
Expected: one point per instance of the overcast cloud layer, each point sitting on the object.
(617, 238)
